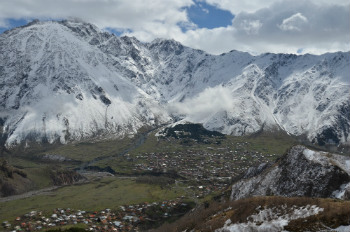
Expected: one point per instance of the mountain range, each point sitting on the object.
(63, 81)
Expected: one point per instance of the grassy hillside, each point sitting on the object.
(109, 192)
(214, 215)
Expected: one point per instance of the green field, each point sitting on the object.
(275, 144)
(109, 192)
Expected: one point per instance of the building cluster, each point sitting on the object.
(213, 168)
(126, 218)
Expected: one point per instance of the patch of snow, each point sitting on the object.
(315, 156)
(271, 219)
(347, 163)
(340, 192)
(342, 229)
(309, 154)
(325, 159)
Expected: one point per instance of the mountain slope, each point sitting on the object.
(260, 214)
(301, 172)
(68, 80)
(55, 85)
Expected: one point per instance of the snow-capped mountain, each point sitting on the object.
(70, 80)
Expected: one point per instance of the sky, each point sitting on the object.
(215, 26)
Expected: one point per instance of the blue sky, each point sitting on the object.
(13, 23)
(215, 26)
(209, 16)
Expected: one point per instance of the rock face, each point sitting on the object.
(12, 180)
(300, 172)
(65, 177)
(67, 81)
(189, 130)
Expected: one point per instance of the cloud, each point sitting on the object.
(156, 17)
(293, 23)
(251, 26)
(251, 6)
(205, 10)
(317, 26)
(205, 104)
(241, 6)
(4, 23)
(280, 27)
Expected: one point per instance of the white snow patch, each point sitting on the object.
(327, 159)
(271, 219)
(341, 192)
(342, 229)
(309, 154)
(318, 157)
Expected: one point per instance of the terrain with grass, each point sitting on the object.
(332, 214)
(109, 192)
(272, 144)
(121, 157)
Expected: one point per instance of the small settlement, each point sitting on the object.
(126, 218)
(212, 170)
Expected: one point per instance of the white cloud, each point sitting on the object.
(279, 26)
(293, 23)
(4, 23)
(317, 26)
(238, 6)
(251, 26)
(137, 15)
(206, 103)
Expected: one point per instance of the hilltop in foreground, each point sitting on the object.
(69, 81)
(301, 172)
(281, 197)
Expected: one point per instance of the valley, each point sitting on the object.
(145, 168)
(150, 180)
(106, 133)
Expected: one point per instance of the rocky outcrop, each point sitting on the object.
(12, 180)
(65, 177)
(300, 172)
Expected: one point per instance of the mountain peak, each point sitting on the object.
(78, 23)
(53, 72)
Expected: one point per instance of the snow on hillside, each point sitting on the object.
(298, 173)
(271, 219)
(70, 81)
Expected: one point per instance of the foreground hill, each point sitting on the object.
(12, 180)
(293, 194)
(300, 172)
(68, 81)
(271, 214)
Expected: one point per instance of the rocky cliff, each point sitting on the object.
(300, 172)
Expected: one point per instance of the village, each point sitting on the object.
(126, 218)
(209, 171)
(201, 173)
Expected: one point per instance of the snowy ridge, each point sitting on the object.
(67, 81)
